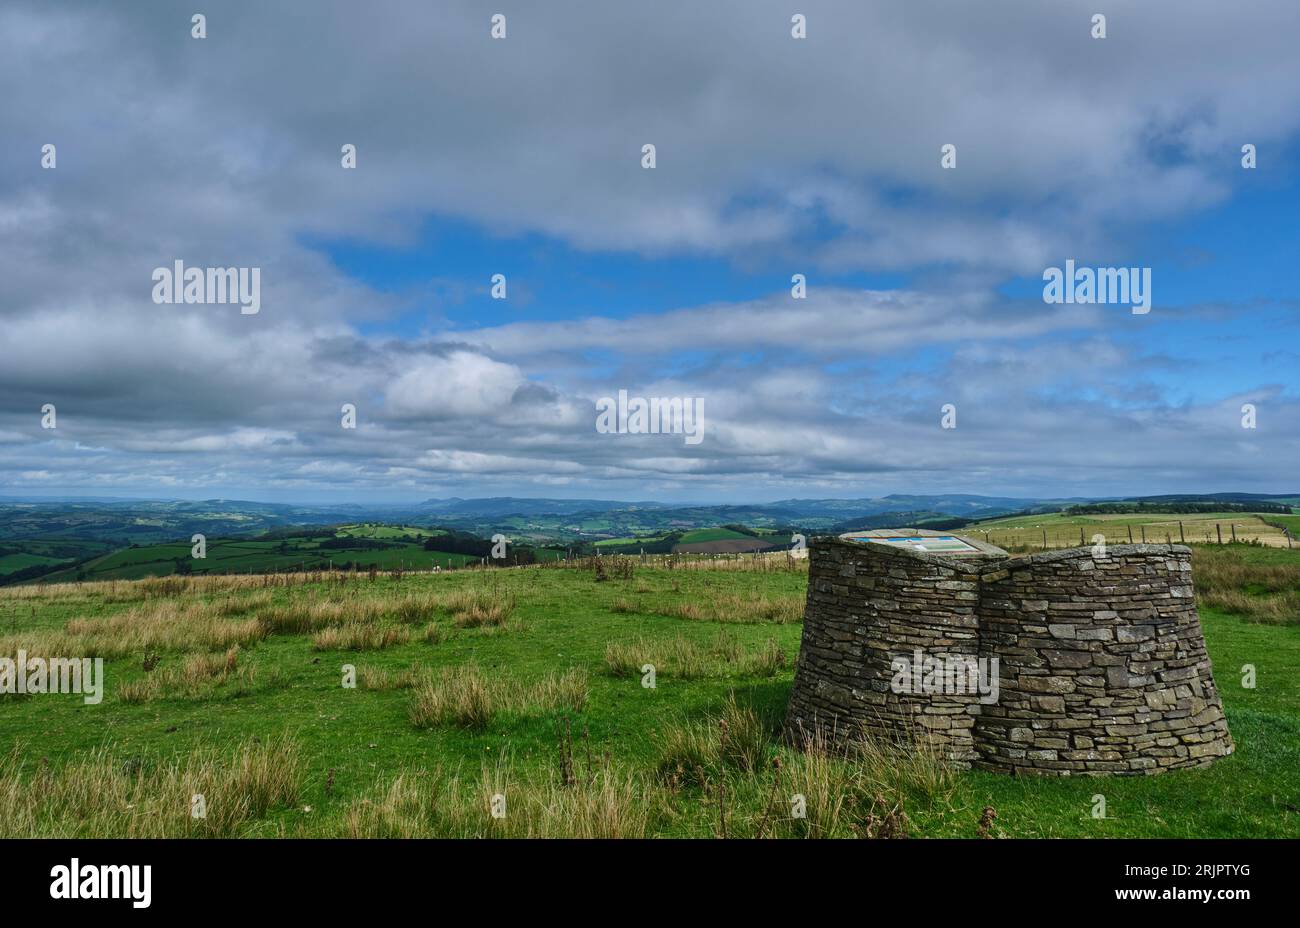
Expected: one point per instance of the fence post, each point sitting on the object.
(1130, 534)
(1144, 534)
(1219, 530)
(1181, 539)
(1234, 533)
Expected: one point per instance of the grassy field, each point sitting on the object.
(721, 540)
(18, 555)
(1024, 533)
(403, 547)
(527, 684)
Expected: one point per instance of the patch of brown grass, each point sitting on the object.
(689, 659)
(478, 607)
(358, 637)
(438, 803)
(101, 795)
(196, 676)
(380, 678)
(462, 696)
(165, 626)
(751, 608)
(1265, 593)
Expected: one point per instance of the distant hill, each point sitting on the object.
(359, 546)
(522, 506)
(120, 522)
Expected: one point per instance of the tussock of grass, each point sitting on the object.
(167, 626)
(196, 676)
(862, 790)
(459, 696)
(737, 739)
(302, 617)
(381, 678)
(102, 795)
(688, 659)
(1264, 593)
(415, 609)
(238, 605)
(749, 609)
(358, 637)
(475, 608)
(435, 633)
(1267, 609)
(462, 696)
(439, 804)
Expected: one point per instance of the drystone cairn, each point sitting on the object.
(1102, 667)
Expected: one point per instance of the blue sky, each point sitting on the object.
(775, 156)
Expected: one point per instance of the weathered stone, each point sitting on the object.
(1103, 668)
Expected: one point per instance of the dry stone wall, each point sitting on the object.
(1101, 664)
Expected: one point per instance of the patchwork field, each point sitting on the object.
(722, 540)
(1023, 533)
(384, 546)
(527, 684)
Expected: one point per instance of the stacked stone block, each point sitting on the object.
(1104, 668)
(1102, 663)
(862, 612)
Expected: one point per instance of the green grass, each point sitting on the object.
(234, 556)
(12, 562)
(1020, 533)
(631, 540)
(1291, 522)
(636, 760)
(386, 532)
(711, 534)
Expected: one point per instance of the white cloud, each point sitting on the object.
(459, 384)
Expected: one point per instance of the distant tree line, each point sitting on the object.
(30, 573)
(1184, 507)
(365, 544)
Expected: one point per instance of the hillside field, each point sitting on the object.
(1019, 533)
(527, 684)
(383, 546)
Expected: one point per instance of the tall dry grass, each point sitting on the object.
(170, 625)
(196, 676)
(759, 787)
(120, 591)
(751, 608)
(462, 696)
(102, 795)
(383, 678)
(693, 752)
(356, 636)
(689, 659)
(1265, 593)
(440, 804)
(477, 607)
